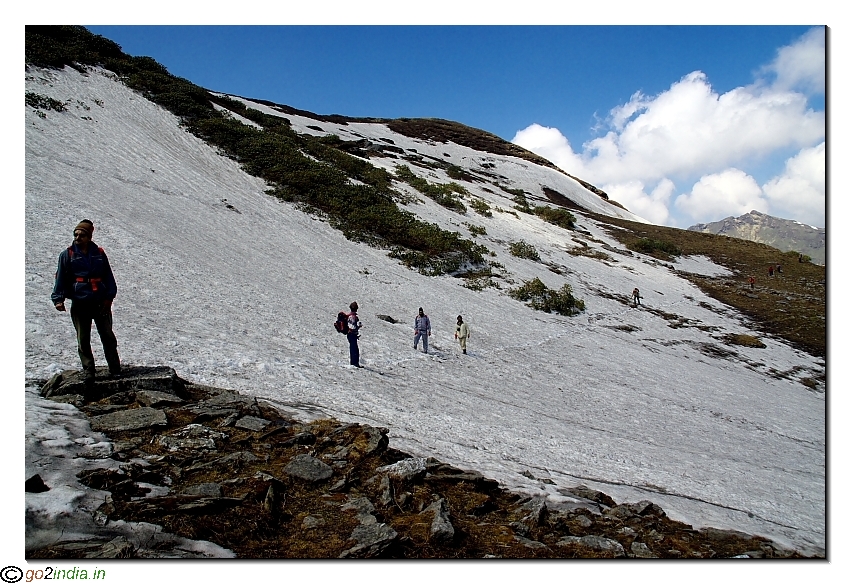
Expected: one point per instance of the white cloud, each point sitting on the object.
(652, 206)
(802, 65)
(717, 196)
(690, 131)
(800, 191)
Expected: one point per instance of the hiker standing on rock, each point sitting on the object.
(636, 297)
(84, 277)
(354, 326)
(461, 333)
(421, 328)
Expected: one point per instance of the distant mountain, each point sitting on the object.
(780, 233)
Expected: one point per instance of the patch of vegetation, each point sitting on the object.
(521, 203)
(481, 207)
(457, 173)
(745, 340)
(557, 216)
(38, 101)
(481, 279)
(524, 250)
(355, 196)
(475, 230)
(442, 194)
(654, 247)
(548, 300)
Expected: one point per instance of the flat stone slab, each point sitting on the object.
(308, 468)
(252, 423)
(133, 378)
(151, 398)
(130, 420)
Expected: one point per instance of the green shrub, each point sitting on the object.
(442, 194)
(542, 298)
(481, 207)
(653, 246)
(524, 250)
(38, 101)
(522, 203)
(475, 230)
(557, 216)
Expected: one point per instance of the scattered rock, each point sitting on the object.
(35, 485)
(252, 423)
(129, 420)
(306, 467)
(441, 531)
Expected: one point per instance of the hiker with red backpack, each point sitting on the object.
(349, 324)
(421, 329)
(85, 277)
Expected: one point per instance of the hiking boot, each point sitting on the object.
(464, 350)
(115, 373)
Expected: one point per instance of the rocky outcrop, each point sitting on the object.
(218, 468)
(784, 234)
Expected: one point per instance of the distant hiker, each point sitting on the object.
(778, 268)
(770, 271)
(461, 333)
(354, 326)
(421, 328)
(800, 258)
(752, 282)
(84, 277)
(636, 297)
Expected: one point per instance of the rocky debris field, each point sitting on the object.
(210, 464)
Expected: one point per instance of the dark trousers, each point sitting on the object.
(83, 314)
(353, 349)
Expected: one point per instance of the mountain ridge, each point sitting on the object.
(784, 234)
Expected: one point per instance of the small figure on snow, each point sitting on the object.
(461, 333)
(636, 297)
(354, 326)
(421, 328)
(85, 277)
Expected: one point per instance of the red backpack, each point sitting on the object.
(341, 323)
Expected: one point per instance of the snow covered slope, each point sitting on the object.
(234, 288)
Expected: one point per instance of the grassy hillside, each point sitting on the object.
(791, 304)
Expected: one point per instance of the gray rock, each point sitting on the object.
(208, 490)
(252, 423)
(716, 534)
(359, 504)
(311, 522)
(594, 542)
(537, 511)
(129, 420)
(371, 539)
(377, 439)
(531, 544)
(386, 492)
(406, 469)
(72, 399)
(192, 436)
(151, 398)
(306, 467)
(589, 494)
(441, 531)
(385, 318)
(641, 551)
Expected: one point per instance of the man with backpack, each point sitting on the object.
(421, 328)
(636, 297)
(353, 326)
(85, 277)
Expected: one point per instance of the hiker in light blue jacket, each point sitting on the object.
(421, 328)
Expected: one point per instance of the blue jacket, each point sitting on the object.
(422, 324)
(83, 277)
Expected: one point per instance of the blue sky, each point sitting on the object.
(733, 126)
